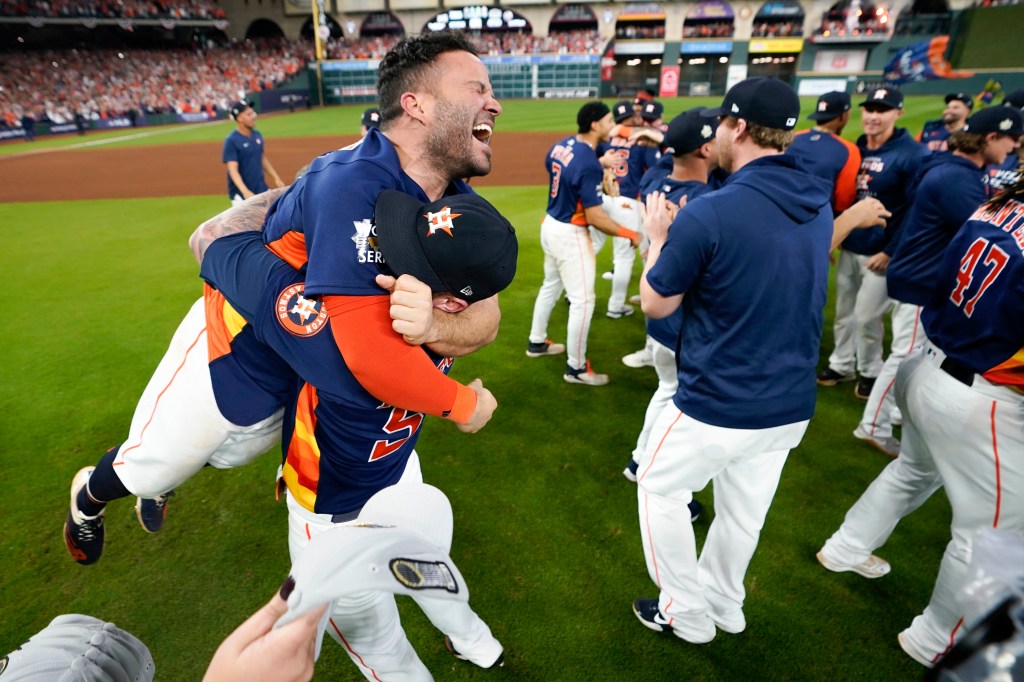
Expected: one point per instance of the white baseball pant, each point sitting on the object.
(177, 427)
(907, 336)
(861, 301)
(969, 440)
(682, 455)
(568, 263)
(368, 625)
(668, 382)
(626, 212)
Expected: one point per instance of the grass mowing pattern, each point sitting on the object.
(545, 524)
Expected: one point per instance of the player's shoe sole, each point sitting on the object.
(83, 535)
(871, 568)
(618, 314)
(887, 445)
(539, 350)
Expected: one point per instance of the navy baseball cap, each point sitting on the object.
(831, 105)
(890, 98)
(960, 97)
(459, 244)
(765, 101)
(590, 113)
(652, 111)
(371, 118)
(622, 110)
(1006, 120)
(1015, 99)
(688, 131)
(238, 107)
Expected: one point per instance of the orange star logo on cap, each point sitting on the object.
(442, 220)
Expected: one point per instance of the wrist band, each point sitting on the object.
(627, 233)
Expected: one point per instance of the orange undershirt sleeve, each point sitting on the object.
(390, 369)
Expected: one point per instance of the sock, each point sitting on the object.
(104, 486)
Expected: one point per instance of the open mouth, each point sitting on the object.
(482, 132)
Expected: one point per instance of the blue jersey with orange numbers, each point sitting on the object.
(247, 152)
(934, 136)
(325, 219)
(886, 174)
(974, 314)
(631, 161)
(947, 191)
(575, 180)
(341, 444)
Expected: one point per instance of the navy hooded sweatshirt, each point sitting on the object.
(752, 262)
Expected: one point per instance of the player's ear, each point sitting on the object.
(449, 304)
(414, 105)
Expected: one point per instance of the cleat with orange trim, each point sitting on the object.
(83, 535)
(584, 376)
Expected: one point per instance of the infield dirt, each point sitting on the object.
(195, 168)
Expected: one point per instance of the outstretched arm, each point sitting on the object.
(246, 217)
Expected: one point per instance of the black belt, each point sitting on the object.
(346, 517)
(958, 370)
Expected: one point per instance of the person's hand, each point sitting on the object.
(609, 183)
(869, 212)
(878, 263)
(658, 214)
(485, 407)
(255, 652)
(412, 307)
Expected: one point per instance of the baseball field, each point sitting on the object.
(545, 524)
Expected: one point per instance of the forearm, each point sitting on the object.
(652, 303)
(841, 227)
(246, 217)
(236, 178)
(600, 219)
(470, 330)
(268, 169)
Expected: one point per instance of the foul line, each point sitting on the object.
(109, 140)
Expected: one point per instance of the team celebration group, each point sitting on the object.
(382, 249)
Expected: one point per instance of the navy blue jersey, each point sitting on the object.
(666, 330)
(654, 179)
(325, 218)
(754, 295)
(974, 314)
(885, 174)
(575, 180)
(632, 160)
(832, 158)
(1005, 175)
(247, 152)
(947, 191)
(341, 444)
(934, 135)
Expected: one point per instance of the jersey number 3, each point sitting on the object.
(981, 252)
(400, 420)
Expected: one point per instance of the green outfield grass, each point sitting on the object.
(545, 524)
(519, 115)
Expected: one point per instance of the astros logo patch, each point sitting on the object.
(300, 316)
(441, 221)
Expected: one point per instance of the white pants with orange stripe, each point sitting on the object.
(177, 428)
(626, 212)
(745, 465)
(907, 336)
(664, 359)
(568, 264)
(861, 301)
(368, 626)
(968, 439)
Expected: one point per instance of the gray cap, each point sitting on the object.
(76, 648)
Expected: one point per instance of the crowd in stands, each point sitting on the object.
(629, 32)
(776, 29)
(709, 29)
(57, 85)
(113, 9)
(874, 24)
(491, 44)
(373, 47)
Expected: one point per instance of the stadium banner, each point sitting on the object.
(11, 133)
(276, 100)
(923, 61)
(114, 123)
(706, 47)
(197, 117)
(668, 85)
(775, 45)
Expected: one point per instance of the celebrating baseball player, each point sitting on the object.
(947, 190)
(934, 134)
(574, 202)
(963, 419)
(826, 154)
(890, 158)
(752, 293)
(1003, 176)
